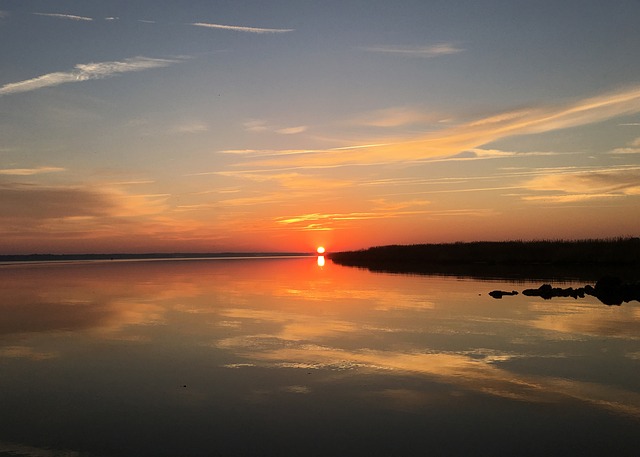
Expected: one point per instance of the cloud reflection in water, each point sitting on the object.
(201, 335)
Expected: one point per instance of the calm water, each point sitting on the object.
(284, 357)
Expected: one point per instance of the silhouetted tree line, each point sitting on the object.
(476, 258)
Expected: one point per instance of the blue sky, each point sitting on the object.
(209, 125)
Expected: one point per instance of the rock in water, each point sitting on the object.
(501, 293)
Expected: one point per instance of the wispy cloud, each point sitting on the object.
(468, 136)
(396, 205)
(238, 28)
(191, 127)
(292, 130)
(485, 154)
(42, 203)
(25, 352)
(29, 171)
(260, 126)
(262, 199)
(65, 16)
(394, 117)
(571, 198)
(289, 180)
(256, 125)
(313, 222)
(585, 185)
(3, 14)
(266, 152)
(602, 181)
(632, 148)
(86, 72)
(434, 50)
(306, 219)
(626, 151)
(330, 221)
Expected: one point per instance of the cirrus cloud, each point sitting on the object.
(580, 186)
(434, 50)
(471, 135)
(65, 16)
(238, 28)
(29, 171)
(632, 148)
(394, 117)
(86, 72)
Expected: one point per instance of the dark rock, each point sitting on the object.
(546, 291)
(501, 293)
(611, 290)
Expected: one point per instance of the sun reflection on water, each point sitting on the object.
(254, 332)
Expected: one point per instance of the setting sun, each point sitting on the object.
(320, 250)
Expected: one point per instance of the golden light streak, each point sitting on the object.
(453, 140)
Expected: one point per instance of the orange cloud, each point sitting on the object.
(453, 140)
(585, 185)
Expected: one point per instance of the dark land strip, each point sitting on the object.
(613, 264)
(584, 259)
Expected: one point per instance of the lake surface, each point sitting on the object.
(285, 357)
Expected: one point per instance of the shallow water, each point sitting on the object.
(285, 357)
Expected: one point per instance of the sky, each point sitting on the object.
(216, 126)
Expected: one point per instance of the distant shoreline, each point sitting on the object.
(145, 256)
(580, 259)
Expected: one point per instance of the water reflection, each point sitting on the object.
(321, 261)
(203, 354)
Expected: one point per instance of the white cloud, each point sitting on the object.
(292, 130)
(434, 50)
(255, 125)
(85, 72)
(65, 16)
(192, 127)
(259, 126)
(632, 148)
(482, 154)
(626, 151)
(238, 28)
